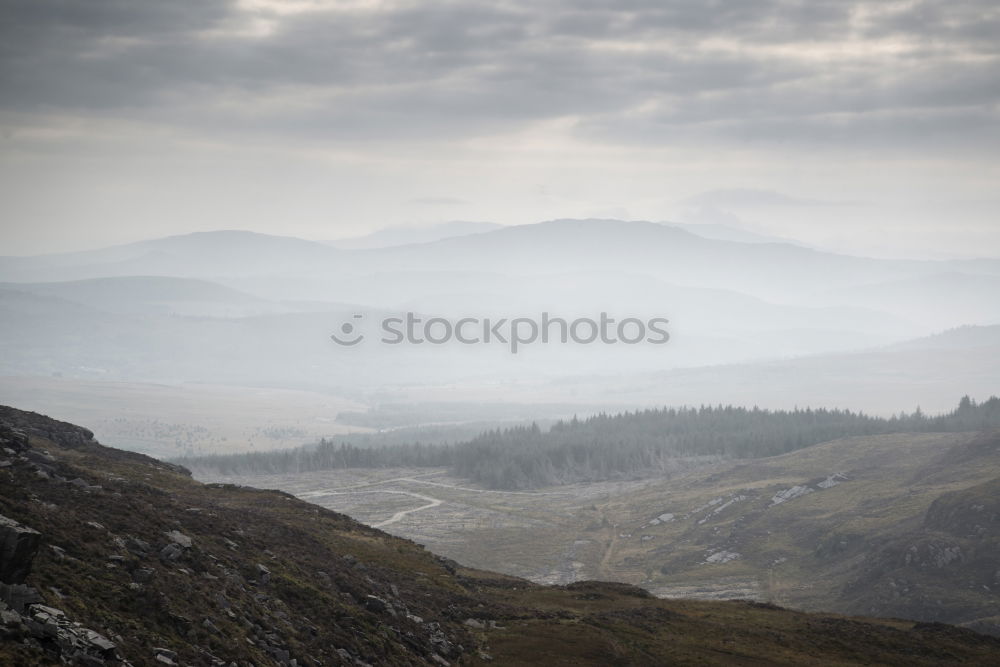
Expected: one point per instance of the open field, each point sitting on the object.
(172, 420)
(544, 535)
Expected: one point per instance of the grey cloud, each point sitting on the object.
(771, 18)
(975, 24)
(954, 131)
(439, 201)
(429, 70)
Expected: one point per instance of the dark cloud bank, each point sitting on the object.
(919, 74)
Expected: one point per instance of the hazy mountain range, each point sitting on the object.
(245, 308)
(405, 235)
(393, 236)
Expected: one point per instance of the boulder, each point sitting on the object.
(18, 546)
(172, 551)
(98, 643)
(378, 605)
(18, 596)
(137, 546)
(39, 456)
(180, 538)
(165, 652)
(143, 574)
(9, 618)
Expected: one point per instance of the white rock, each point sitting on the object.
(832, 480)
(723, 556)
(180, 538)
(789, 494)
(711, 503)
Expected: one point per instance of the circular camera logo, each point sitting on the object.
(347, 329)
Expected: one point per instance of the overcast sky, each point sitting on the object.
(863, 126)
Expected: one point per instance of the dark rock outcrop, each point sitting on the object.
(18, 546)
(72, 643)
(972, 513)
(31, 423)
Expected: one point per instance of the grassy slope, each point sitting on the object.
(836, 548)
(324, 565)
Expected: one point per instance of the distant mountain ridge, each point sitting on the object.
(166, 295)
(968, 337)
(395, 236)
(266, 306)
(553, 245)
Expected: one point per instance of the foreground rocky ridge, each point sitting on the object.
(109, 557)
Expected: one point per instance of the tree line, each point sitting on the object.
(606, 446)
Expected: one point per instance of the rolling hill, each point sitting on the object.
(395, 236)
(148, 295)
(947, 297)
(775, 271)
(204, 255)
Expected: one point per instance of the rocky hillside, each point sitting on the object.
(946, 569)
(112, 558)
(903, 525)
